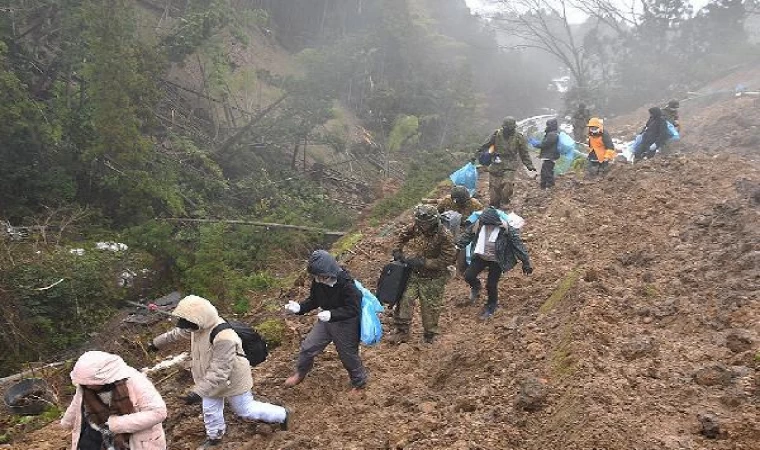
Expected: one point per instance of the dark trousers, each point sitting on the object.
(345, 336)
(547, 174)
(492, 282)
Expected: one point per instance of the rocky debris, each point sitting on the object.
(708, 424)
(638, 347)
(532, 394)
(713, 375)
(739, 341)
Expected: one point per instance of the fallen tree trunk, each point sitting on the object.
(258, 224)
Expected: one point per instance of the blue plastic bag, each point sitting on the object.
(673, 132)
(371, 330)
(534, 142)
(565, 144)
(467, 176)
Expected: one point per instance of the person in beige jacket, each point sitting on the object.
(220, 369)
(115, 406)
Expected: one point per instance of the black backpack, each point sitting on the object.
(254, 346)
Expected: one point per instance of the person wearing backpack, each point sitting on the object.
(334, 292)
(509, 145)
(220, 370)
(602, 149)
(549, 153)
(498, 246)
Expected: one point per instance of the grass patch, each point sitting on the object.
(346, 243)
(567, 283)
(273, 332)
(426, 171)
(562, 360)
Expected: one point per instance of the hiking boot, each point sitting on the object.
(428, 338)
(488, 311)
(285, 425)
(294, 379)
(210, 443)
(398, 337)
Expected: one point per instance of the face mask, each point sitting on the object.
(326, 280)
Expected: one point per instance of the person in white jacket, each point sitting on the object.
(115, 406)
(220, 370)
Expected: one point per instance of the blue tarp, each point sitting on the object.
(467, 176)
(565, 144)
(371, 330)
(673, 132)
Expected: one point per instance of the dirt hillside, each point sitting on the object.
(640, 321)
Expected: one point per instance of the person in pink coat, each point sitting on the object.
(115, 406)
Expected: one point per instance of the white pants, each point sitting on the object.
(244, 406)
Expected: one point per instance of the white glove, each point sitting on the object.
(293, 307)
(324, 316)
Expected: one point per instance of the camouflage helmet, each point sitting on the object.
(674, 104)
(509, 123)
(460, 193)
(426, 215)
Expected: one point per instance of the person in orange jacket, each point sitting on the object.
(602, 150)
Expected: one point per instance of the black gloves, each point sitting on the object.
(527, 270)
(398, 255)
(151, 347)
(415, 263)
(191, 399)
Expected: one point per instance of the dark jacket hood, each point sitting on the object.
(655, 112)
(490, 217)
(323, 263)
(551, 125)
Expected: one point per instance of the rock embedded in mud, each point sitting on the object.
(739, 341)
(638, 347)
(714, 375)
(709, 425)
(532, 394)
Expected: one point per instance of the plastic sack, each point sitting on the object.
(371, 330)
(565, 144)
(673, 132)
(534, 142)
(467, 176)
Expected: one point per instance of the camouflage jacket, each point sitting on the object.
(671, 115)
(508, 149)
(437, 249)
(448, 204)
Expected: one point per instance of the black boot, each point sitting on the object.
(428, 338)
(488, 311)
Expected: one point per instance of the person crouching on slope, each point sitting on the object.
(220, 370)
(115, 406)
(334, 292)
(602, 148)
(497, 248)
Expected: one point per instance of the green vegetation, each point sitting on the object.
(420, 179)
(567, 283)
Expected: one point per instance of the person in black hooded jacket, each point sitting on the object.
(655, 132)
(549, 153)
(334, 292)
(498, 247)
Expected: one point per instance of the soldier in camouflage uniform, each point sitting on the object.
(459, 201)
(580, 118)
(428, 249)
(509, 145)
